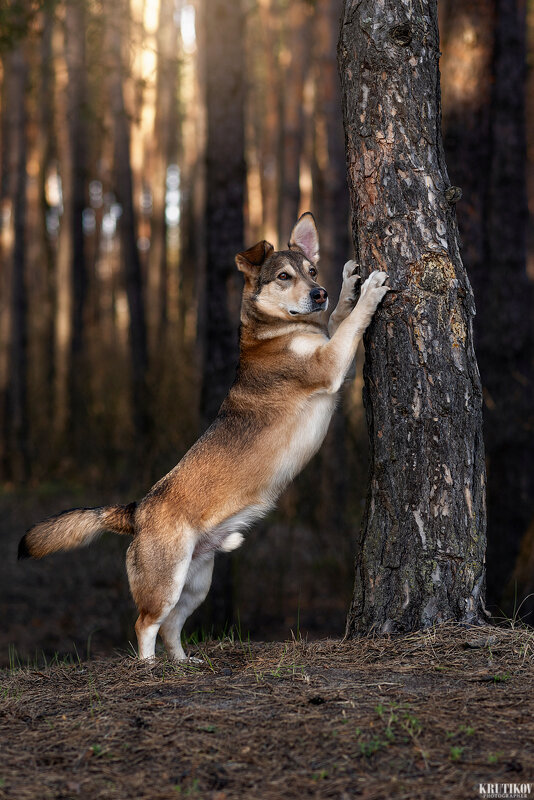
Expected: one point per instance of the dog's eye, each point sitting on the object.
(284, 276)
(313, 272)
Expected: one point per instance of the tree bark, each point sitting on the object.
(420, 558)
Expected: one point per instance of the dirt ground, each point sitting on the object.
(427, 715)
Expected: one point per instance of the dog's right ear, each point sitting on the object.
(250, 261)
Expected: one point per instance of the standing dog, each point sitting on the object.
(272, 422)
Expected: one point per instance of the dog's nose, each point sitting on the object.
(319, 295)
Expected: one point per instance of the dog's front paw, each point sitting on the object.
(350, 288)
(374, 289)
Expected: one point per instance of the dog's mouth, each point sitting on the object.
(295, 313)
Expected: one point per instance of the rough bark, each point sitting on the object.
(420, 558)
(483, 70)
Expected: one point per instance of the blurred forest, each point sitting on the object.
(143, 144)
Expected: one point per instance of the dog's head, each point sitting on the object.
(283, 284)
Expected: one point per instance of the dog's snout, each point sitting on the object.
(319, 295)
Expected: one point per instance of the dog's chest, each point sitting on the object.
(301, 437)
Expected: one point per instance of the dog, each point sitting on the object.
(292, 364)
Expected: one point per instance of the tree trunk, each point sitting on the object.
(225, 189)
(421, 551)
(129, 252)
(331, 207)
(269, 128)
(330, 193)
(47, 157)
(16, 455)
(483, 70)
(77, 121)
(296, 62)
(166, 129)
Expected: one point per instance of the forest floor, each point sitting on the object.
(430, 714)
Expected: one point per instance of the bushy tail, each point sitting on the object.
(75, 528)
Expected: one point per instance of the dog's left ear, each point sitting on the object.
(304, 237)
(250, 261)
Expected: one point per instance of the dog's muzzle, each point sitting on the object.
(319, 297)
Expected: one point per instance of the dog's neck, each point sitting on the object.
(256, 327)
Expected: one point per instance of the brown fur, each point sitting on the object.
(271, 423)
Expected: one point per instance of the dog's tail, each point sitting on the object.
(75, 528)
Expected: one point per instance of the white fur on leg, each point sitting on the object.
(195, 589)
(146, 640)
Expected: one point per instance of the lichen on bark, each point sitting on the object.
(420, 555)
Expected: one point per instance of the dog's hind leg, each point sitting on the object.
(196, 587)
(156, 580)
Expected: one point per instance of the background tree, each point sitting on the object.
(483, 72)
(420, 556)
(224, 227)
(128, 226)
(15, 417)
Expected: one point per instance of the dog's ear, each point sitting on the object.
(250, 261)
(304, 237)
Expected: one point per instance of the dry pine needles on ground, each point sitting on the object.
(430, 714)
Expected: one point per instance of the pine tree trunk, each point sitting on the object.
(16, 454)
(484, 58)
(77, 121)
(128, 230)
(166, 131)
(330, 193)
(297, 50)
(331, 207)
(270, 15)
(47, 157)
(225, 189)
(420, 558)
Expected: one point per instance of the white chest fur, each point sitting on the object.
(302, 438)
